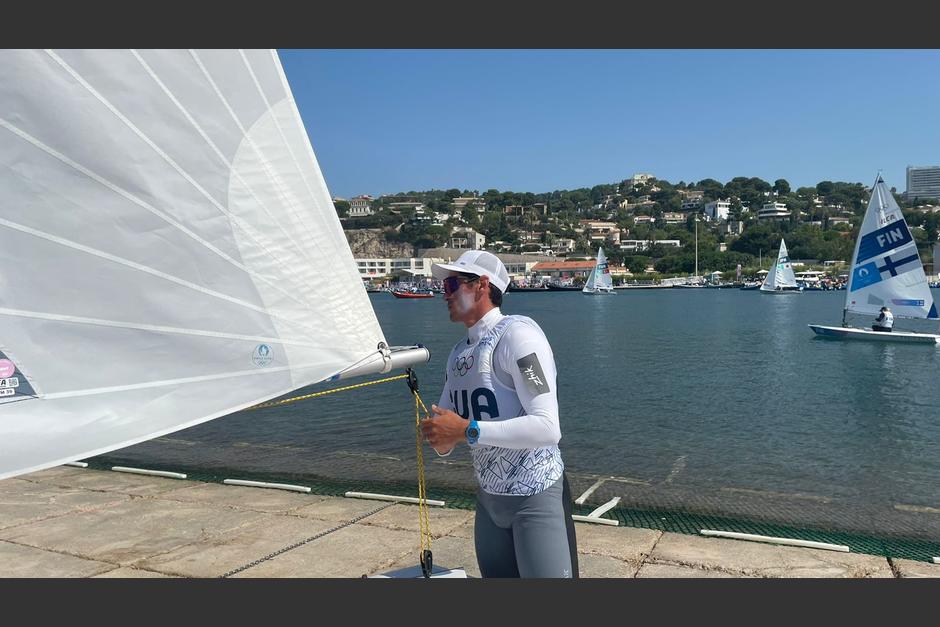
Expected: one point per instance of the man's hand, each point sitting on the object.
(444, 429)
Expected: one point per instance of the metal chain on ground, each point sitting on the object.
(303, 542)
(294, 399)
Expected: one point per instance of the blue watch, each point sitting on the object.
(473, 432)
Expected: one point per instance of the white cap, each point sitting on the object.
(478, 262)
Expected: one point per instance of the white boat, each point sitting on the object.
(169, 251)
(886, 271)
(781, 279)
(599, 281)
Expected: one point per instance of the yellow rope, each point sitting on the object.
(423, 516)
(294, 399)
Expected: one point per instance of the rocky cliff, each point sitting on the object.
(370, 243)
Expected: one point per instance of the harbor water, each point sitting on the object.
(717, 401)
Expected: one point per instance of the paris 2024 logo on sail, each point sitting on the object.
(262, 355)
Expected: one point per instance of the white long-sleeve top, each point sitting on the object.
(511, 391)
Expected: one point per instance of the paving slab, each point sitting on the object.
(465, 530)
(624, 543)
(130, 573)
(913, 568)
(129, 531)
(50, 473)
(340, 509)
(596, 566)
(765, 560)
(214, 557)
(241, 497)
(406, 517)
(111, 481)
(25, 561)
(675, 571)
(349, 552)
(26, 501)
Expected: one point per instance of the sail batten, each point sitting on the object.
(127, 195)
(152, 271)
(272, 177)
(172, 163)
(169, 250)
(211, 144)
(120, 324)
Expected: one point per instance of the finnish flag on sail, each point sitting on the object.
(885, 239)
(891, 265)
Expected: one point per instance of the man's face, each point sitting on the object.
(460, 294)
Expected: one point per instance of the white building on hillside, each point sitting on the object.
(465, 237)
(378, 268)
(923, 181)
(638, 180)
(717, 209)
(360, 206)
(773, 211)
(638, 245)
(461, 202)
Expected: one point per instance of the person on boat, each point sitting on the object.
(884, 321)
(501, 378)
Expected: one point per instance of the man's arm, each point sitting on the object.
(523, 360)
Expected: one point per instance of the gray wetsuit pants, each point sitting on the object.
(526, 536)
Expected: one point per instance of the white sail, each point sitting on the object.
(886, 269)
(589, 282)
(781, 275)
(169, 251)
(599, 280)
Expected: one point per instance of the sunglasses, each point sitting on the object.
(452, 283)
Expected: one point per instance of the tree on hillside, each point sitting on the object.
(637, 264)
(781, 186)
(342, 208)
(471, 217)
(932, 226)
(755, 240)
(712, 188)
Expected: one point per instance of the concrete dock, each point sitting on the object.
(75, 522)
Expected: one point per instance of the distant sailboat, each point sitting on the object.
(169, 251)
(599, 281)
(781, 279)
(886, 271)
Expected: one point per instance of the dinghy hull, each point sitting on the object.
(852, 333)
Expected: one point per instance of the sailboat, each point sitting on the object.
(780, 279)
(599, 280)
(169, 251)
(886, 271)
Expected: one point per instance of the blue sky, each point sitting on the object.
(385, 121)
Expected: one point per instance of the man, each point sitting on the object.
(500, 397)
(884, 321)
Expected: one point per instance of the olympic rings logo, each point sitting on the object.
(463, 365)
